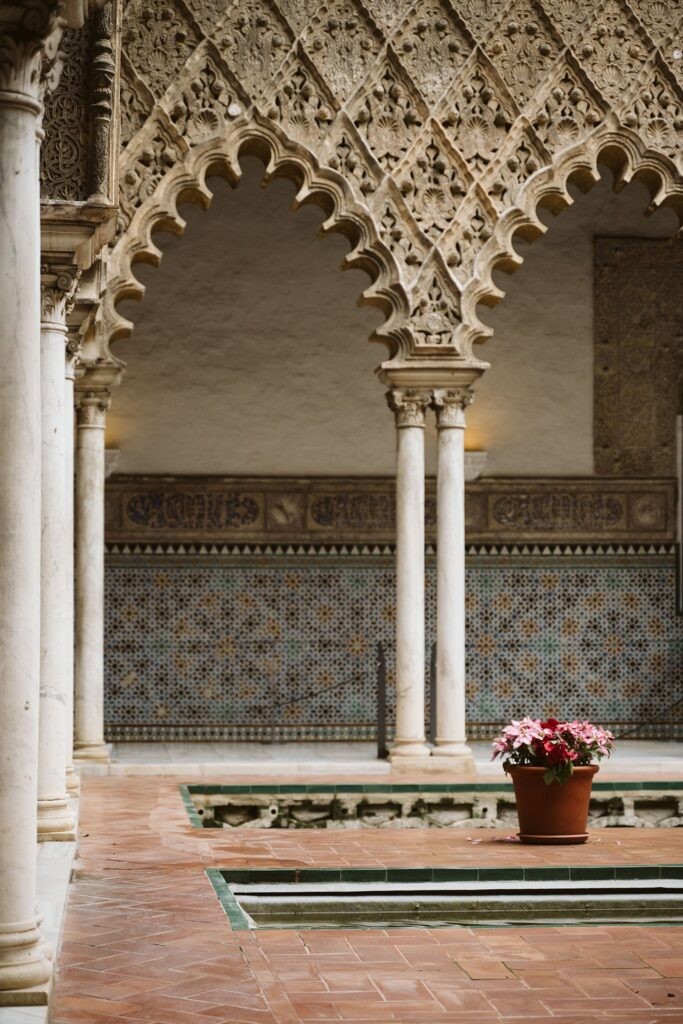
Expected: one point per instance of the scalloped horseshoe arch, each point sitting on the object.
(618, 149)
(431, 132)
(186, 182)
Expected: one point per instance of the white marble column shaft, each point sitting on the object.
(409, 408)
(91, 411)
(451, 739)
(55, 818)
(72, 778)
(23, 960)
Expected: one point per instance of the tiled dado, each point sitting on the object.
(334, 510)
(279, 642)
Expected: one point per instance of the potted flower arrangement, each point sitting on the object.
(552, 768)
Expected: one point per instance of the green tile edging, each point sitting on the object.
(213, 789)
(233, 911)
(193, 815)
(583, 873)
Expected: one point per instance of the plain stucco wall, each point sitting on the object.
(250, 355)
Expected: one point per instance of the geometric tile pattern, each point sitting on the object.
(146, 940)
(289, 649)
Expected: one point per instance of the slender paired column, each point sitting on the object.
(72, 348)
(23, 960)
(55, 818)
(408, 406)
(451, 741)
(91, 412)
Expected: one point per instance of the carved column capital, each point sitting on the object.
(74, 344)
(58, 285)
(450, 404)
(408, 405)
(29, 43)
(91, 409)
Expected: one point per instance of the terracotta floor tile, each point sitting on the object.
(144, 928)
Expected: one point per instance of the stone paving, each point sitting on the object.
(145, 938)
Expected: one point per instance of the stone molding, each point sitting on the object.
(324, 510)
(376, 122)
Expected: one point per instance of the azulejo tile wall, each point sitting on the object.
(267, 643)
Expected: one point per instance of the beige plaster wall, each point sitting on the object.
(250, 356)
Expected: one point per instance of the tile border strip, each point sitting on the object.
(233, 911)
(578, 872)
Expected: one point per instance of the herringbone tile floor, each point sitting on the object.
(146, 940)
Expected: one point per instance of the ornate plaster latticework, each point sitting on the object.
(430, 131)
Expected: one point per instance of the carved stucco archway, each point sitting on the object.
(430, 132)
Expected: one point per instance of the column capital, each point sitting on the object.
(58, 284)
(29, 44)
(91, 408)
(450, 404)
(409, 406)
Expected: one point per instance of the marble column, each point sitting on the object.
(409, 406)
(55, 817)
(91, 412)
(23, 960)
(72, 348)
(451, 741)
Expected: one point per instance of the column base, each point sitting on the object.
(92, 752)
(409, 756)
(408, 748)
(444, 761)
(72, 780)
(56, 820)
(25, 969)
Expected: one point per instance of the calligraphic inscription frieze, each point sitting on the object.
(329, 510)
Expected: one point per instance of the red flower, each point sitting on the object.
(552, 724)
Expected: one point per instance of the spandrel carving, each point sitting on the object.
(206, 105)
(436, 315)
(433, 46)
(388, 115)
(569, 110)
(301, 104)
(613, 49)
(657, 113)
(157, 39)
(434, 184)
(519, 159)
(523, 48)
(480, 15)
(136, 103)
(343, 44)
(476, 220)
(478, 114)
(254, 40)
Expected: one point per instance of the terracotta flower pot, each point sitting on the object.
(556, 813)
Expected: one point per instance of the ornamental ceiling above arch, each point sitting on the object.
(437, 128)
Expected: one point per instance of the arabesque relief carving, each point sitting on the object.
(336, 510)
(430, 132)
